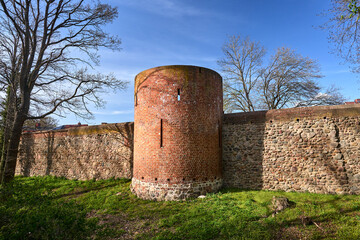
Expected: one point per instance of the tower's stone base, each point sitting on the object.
(173, 192)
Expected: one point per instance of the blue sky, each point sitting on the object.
(192, 32)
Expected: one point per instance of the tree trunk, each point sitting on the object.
(3, 145)
(12, 148)
(17, 119)
(8, 121)
(2, 158)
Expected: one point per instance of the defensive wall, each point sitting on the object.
(91, 152)
(315, 149)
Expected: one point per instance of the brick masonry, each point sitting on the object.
(177, 139)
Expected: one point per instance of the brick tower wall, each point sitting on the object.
(177, 138)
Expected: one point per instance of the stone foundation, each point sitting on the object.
(173, 192)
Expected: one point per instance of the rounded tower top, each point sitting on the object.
(182, 68)
(175, 71)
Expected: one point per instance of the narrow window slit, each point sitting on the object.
(178, 98)
(161, 133)
(219, 134)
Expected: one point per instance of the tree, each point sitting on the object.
(46, 48)
(287, 79)
(343, 27)
(331, 96)
(241, 66)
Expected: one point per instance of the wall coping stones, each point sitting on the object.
(85, 130)
(317, 112)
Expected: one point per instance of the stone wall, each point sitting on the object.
(315, 149)
(94, 152)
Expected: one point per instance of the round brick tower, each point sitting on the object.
(177, 132)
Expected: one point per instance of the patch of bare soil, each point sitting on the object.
(128, 228)
(290, 233)
(322, 231)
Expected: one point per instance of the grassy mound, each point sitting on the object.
(57, 208)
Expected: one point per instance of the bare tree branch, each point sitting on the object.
(241, 68)
(285, 81)
(43, 48)
(288, 79)
(343, 30)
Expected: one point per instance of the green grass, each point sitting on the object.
(56, 208)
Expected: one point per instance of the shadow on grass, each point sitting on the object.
(30, 210)
(78, 193)
(53, 208)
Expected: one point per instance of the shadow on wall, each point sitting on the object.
(126, 131)
(29, 155)
(326, 168)
(99, 152)
(50, 151)
(243, 150)
(27, 159)
(314, 149)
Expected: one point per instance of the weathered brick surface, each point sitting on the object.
(95, 152)
(177, 138)
(315, 149)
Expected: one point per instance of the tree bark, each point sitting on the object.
(10, 106)
(20, 115)
(12, 148)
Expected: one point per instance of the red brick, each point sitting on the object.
(191, 126)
